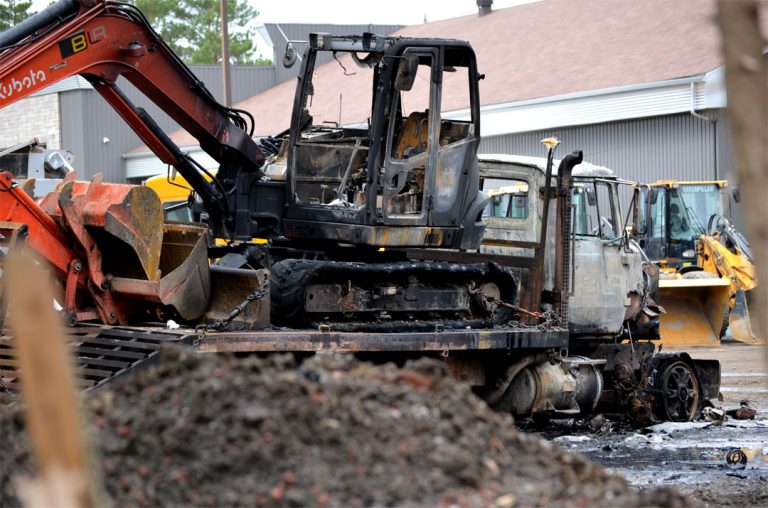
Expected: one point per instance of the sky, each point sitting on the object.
(402, 12)
(399, 12)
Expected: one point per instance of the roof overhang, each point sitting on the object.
(75, 82)
(644, 100)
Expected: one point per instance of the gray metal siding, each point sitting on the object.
(101, 121)
(668, 147)
(71, 115)
(725, 168)
(246, 82)
(86, 118)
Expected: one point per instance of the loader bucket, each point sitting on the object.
(231, 287)
(740, 324)
(695, 311)
(185, 284)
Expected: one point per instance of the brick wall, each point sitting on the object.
(33, 117)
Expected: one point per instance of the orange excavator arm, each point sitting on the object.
(102, 40)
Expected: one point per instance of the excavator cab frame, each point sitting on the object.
(392, 176)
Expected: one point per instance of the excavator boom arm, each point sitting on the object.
(102, 40)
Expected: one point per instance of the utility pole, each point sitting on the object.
(227, 88)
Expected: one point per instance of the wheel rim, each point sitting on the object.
(681, 392)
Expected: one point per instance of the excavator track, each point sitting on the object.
(405, 295)
(101, 354)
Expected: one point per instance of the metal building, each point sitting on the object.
(98, 137)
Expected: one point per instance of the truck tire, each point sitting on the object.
(679, 390)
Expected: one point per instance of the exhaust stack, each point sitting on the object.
(484, 7)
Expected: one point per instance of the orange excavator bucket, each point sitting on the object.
(112, 250)
(131, 214)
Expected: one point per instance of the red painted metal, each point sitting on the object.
(46, 236)
(131, 214)
(112, 44)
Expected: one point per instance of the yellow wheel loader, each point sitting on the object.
(705, 265)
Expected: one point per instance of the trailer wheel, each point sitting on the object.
(680, 393)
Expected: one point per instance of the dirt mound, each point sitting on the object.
(221, 431)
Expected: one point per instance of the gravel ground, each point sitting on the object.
(221, 431)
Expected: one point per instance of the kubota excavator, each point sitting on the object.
(373, 216)
(396, 174)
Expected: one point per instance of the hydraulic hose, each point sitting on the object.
(56, 12)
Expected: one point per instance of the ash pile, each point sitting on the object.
(200, 430)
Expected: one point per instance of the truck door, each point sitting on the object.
(654, 241)
(603, 272)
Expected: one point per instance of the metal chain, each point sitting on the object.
(535, 315)
(223, 324)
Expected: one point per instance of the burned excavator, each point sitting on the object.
(398, 178)
(372, 218)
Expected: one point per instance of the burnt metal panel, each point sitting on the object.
(280, 33)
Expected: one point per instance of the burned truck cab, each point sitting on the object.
(602, 285)
(373, 159)
(605, 275)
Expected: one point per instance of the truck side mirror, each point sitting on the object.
(406, 72)
(290, 56)
(736, 192)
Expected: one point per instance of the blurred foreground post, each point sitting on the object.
(48, 390)
(746, 82)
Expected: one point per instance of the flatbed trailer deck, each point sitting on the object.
(104, 353)
(354, 342)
